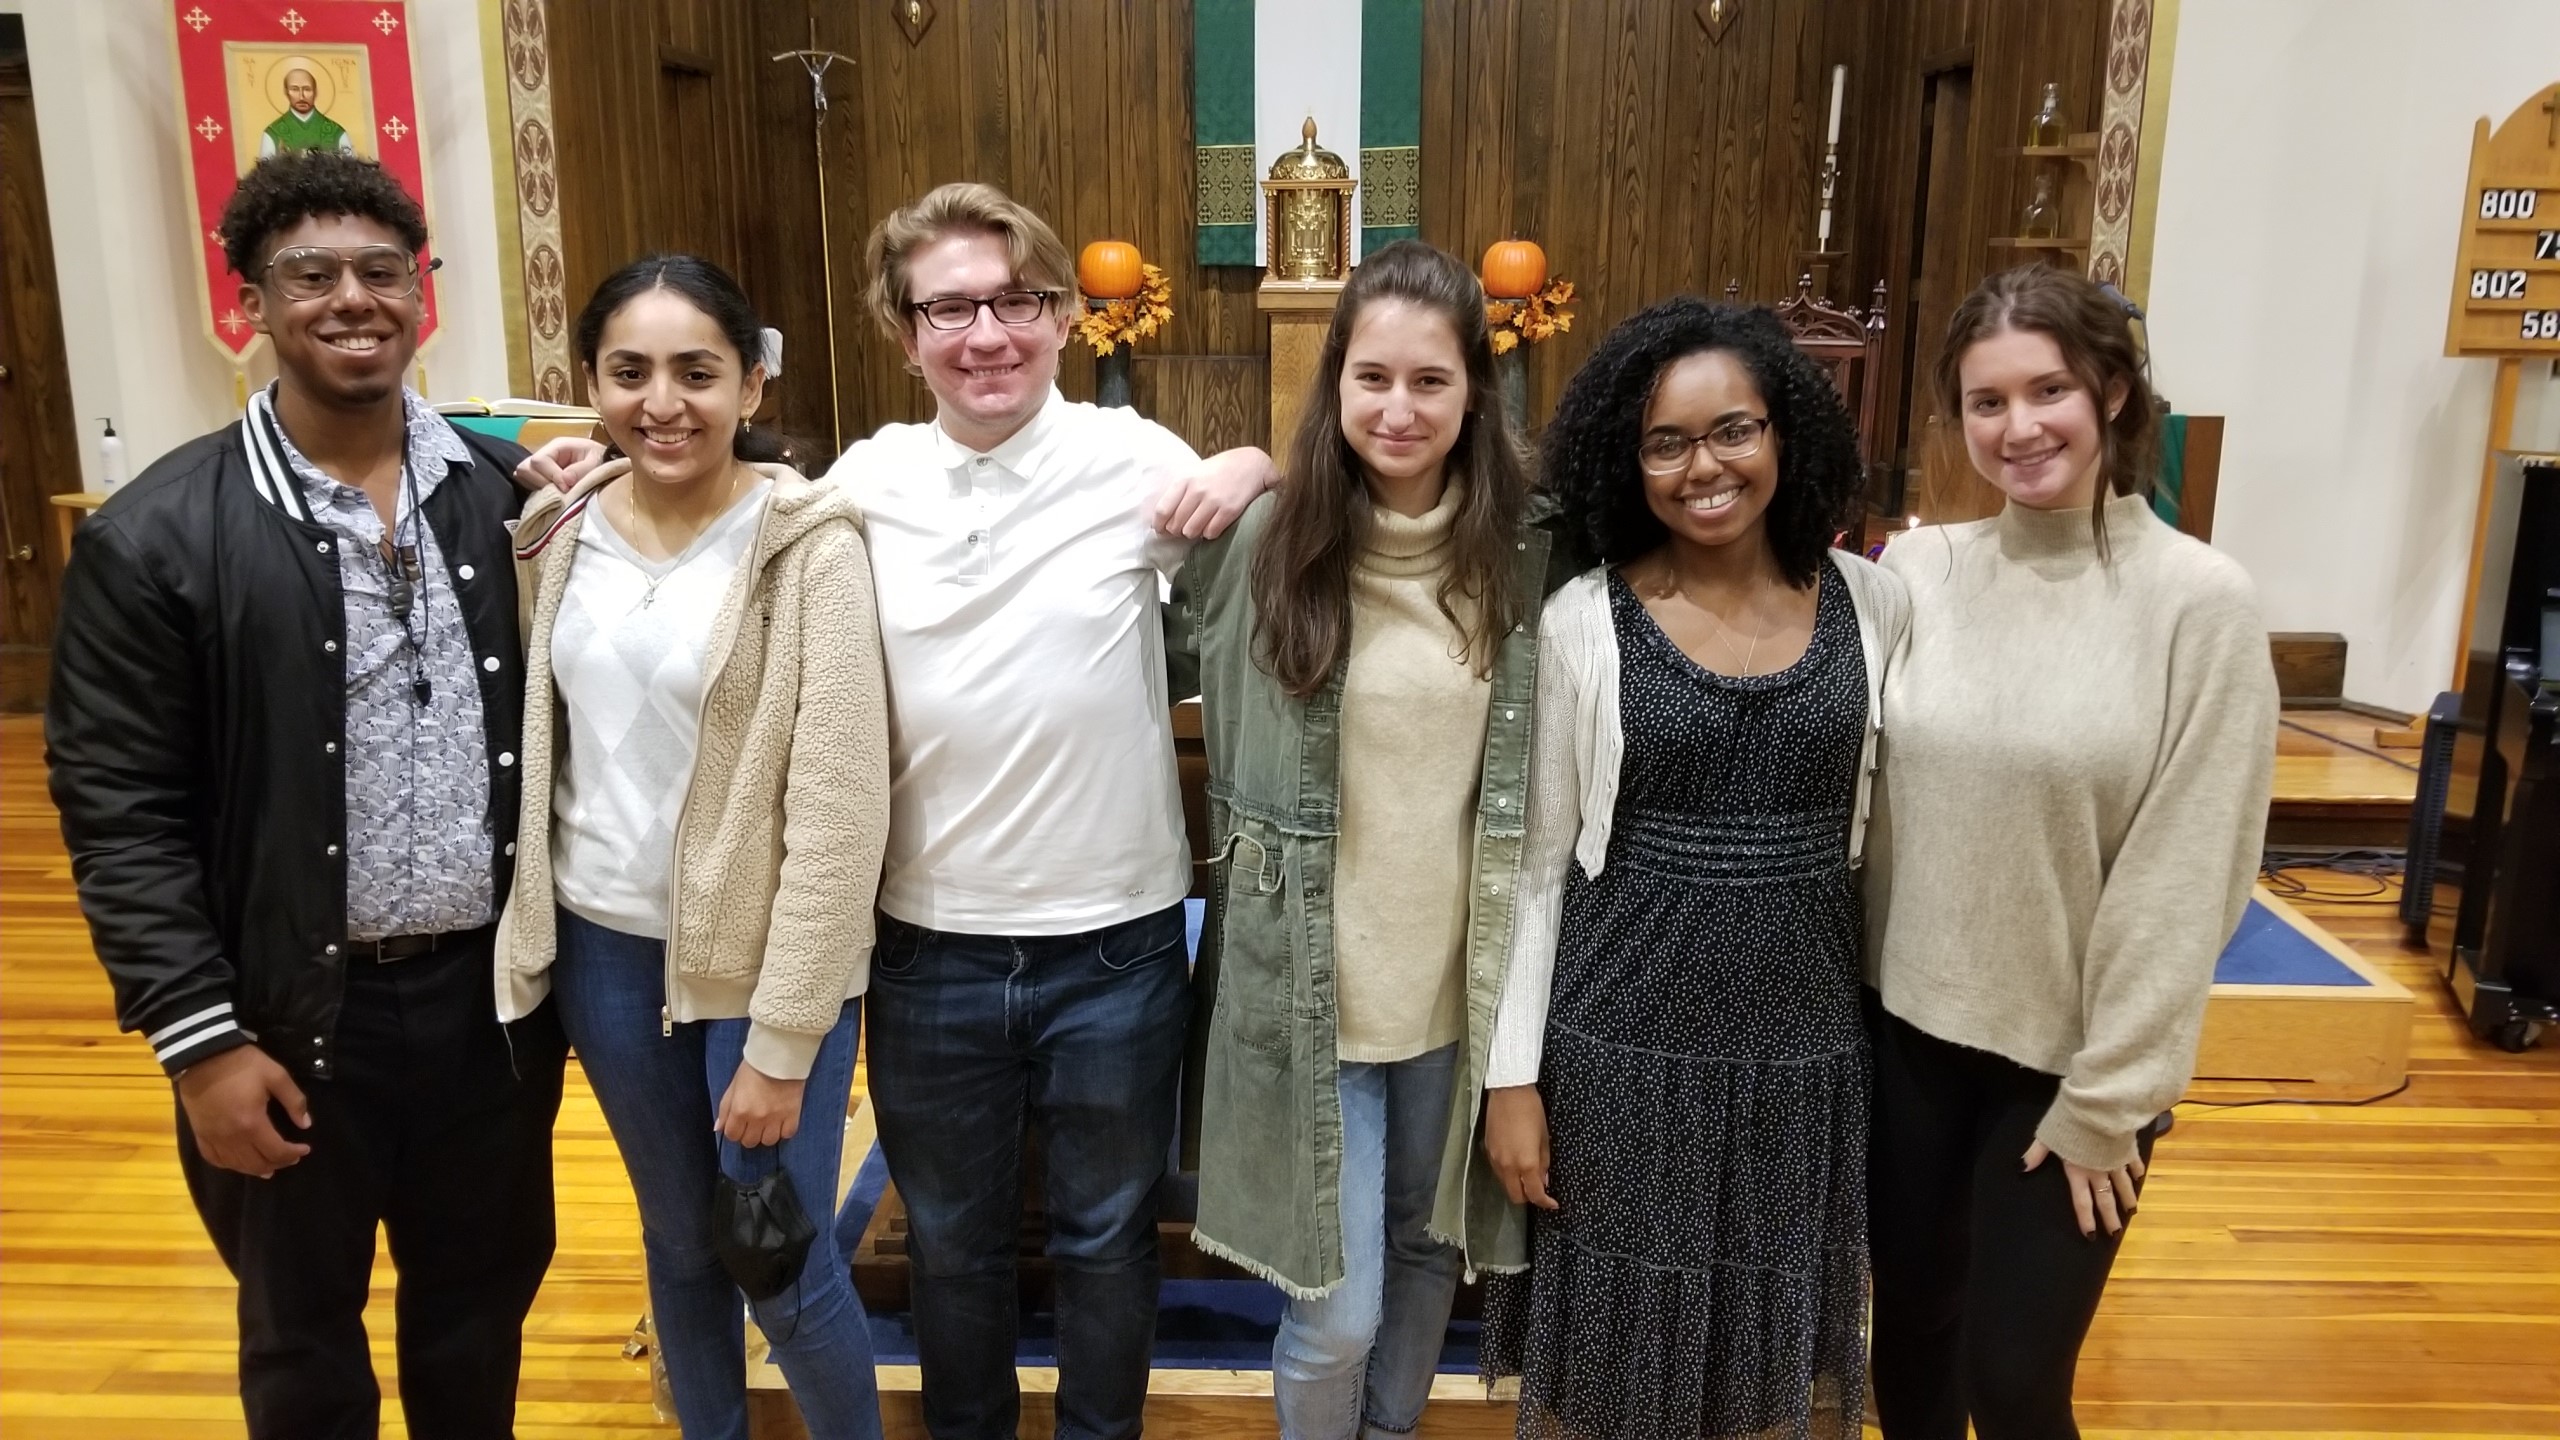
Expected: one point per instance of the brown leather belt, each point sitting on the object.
(409, 947)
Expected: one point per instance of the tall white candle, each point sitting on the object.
(1839, 74)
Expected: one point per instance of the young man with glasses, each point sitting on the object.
(287, 691)
(1031, 970)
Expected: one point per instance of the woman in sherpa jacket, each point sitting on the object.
(706, 754)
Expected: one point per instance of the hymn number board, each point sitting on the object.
(2506, 280)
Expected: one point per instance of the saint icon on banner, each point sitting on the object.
(303, 125)
(302, 96)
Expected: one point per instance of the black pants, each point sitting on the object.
(437, 1126)
(1984, 1285)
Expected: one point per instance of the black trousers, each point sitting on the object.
(1984, 1285)
(437, 1127)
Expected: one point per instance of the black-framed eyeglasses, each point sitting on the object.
(959, 312)
(1666, 452)
(308, 272)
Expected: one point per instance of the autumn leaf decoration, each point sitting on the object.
(1126, 322)
(1541, 317)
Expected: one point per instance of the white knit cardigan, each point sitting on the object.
(1576, 749)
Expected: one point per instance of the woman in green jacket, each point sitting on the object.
(1366, 663)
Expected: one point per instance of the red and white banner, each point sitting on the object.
(259, 76)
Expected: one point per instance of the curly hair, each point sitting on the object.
(1590, 468)
(286, 189)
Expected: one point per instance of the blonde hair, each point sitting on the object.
(1040, 259)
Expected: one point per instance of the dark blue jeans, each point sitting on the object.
(659, 1092)
(974, 1040)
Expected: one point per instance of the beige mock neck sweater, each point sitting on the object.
(2077, 758)
(1413, 718)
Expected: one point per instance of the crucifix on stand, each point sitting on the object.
(817, 62)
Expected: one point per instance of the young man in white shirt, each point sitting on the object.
(1031, 970)
(1031, 965)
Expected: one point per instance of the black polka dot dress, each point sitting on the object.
(1705, 1069)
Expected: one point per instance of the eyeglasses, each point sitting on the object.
(959, 312)
(308, 272)
(1666, 452)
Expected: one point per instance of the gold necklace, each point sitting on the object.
(1671, 587)
(631, 517)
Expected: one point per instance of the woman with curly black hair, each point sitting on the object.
(1679, 1073)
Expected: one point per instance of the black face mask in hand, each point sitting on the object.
(760, 1233)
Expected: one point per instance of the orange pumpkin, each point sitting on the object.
(1514, 269)
(1108, 270)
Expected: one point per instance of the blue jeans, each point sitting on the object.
(974, 1039)
(1359, 1361)
(659, 1093)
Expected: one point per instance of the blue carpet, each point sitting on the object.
(2267, 951)
(1201, 1325)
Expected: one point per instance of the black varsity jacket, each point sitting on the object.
(195, 731)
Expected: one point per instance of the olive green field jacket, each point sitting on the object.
(1263, 1071)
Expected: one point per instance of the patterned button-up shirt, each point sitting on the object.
(418, 836)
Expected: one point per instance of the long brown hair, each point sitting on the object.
(1320, 522)
(2095, 335)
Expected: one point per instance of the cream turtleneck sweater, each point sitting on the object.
(2077, 757)
(1413, 718)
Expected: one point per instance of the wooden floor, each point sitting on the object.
(2386, 1271)
(2335, 788)
(2331, 755)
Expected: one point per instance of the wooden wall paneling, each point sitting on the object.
(785, 252)
(1875, 183)
(1790, 195)
(1645, 158)
(655, 110)
(1671, 86)
(1534, 67)
(40, 437)
(1942, 271)
(1931, 242)
(881, 149)
(1737, 66)
(680, 132)
(1214, 402)
(1096, 160)
(1494, 161)
(2309, 664)
(2200, 470)
(1082, 112)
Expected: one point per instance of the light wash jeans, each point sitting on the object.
(1359, 1362)
(658, 1092)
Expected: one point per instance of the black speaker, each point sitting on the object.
(2426, 813)
(2492, 903)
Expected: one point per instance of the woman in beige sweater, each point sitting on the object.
(706, 772)
(2078, 746)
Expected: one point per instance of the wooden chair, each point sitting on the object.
(1849, 346)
